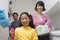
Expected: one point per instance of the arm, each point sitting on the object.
(34, 35)
(16, 34)
(47, 22)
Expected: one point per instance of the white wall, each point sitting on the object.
(23, 5)
(56, 20)
(4, 32)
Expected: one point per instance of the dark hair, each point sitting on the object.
(41, 3)
(30, 17)
(15, 13)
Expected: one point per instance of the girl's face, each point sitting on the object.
(25, 20)
(39, 8)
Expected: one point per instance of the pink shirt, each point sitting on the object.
(44, 19)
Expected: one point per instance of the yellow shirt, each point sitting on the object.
(25, 33)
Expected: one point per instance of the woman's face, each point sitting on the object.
(25, 20)
(39, 8)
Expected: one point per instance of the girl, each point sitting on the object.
(26, 30)
(40, 19)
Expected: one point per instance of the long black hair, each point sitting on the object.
(30, 17)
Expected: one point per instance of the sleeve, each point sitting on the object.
(34, 35)
(16, 34)
(35, 20)
(10, 26)
(48, 21)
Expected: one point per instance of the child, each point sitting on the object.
(26, 30)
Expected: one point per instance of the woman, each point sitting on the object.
(41, 19)
(26, 30)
